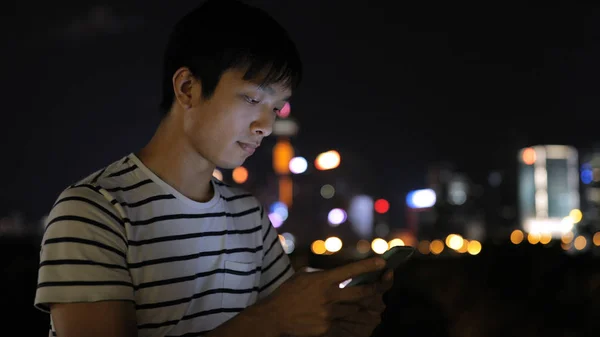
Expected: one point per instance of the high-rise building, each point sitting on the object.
(549, 189)
(590, 178)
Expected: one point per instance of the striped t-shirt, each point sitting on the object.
(124, 234)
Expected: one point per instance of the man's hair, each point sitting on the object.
(220, 35)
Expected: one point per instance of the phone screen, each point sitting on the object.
(394, 257)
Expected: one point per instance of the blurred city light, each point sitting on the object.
(218, 174)
(454, 241)
(495, 179)
(424, 198)
(567, 238)
(285, 127)
(528, 156)
(395, 242)
(327, 191)
(516, 237)
(545, 238)
(596, 239)
(240, 174)
(280, 209)
(336, 217)
(333, 244)
(436, 247)
(382, 229)
(327, 160)
(379, 245)
(576, 215)
(363, 246)
(289, 242)
(556, 227)
(276, 220)
(423, 247)
(382, 206)
(318, 247)
(464, 246)
(286, 190)
(457, 190)
(283, 152)
(533, 238)
(285, 111)
(298, 165)
(580, 243)
(474, 247)
(587, 175)
(360, 214)
(548, 189)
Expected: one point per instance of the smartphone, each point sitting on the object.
(394, 257)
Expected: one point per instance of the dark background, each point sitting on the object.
(397, 87)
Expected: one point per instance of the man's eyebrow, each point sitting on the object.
(269, 90)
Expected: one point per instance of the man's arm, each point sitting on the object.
(106, 318)
(83, 278)
(117, 319)
(255, 321)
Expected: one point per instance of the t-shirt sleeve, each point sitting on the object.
(83, 251)
(276, 266)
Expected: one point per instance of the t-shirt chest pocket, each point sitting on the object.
(240, 284)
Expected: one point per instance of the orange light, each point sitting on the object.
(382, 206)
(240, 174)
(529, 156)
(286, 190)
(328, 160)
(283, 152)
(596, 239)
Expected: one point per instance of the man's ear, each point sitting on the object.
(183, 82)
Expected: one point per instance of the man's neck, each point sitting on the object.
(170, 156)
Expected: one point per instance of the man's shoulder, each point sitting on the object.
(234, 193)
(111, 173)
(98, 185)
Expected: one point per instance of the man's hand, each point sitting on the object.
(309, 303)
(367, 315)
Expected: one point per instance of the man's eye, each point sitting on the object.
(251, 100)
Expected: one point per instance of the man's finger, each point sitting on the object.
(340, 310)
(353, 294)
(351, 270)
(365, 317)
(387, 282)
(357, 329)
(372, 303)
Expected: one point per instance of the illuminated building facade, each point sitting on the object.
(590, 178)
(549, 189)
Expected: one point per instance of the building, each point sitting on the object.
(548, 192)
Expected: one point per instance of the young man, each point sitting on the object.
(152, 245)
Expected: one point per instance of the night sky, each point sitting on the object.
(397, 86)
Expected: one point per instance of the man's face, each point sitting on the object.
(228, 127)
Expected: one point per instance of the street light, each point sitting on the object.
(327, 160)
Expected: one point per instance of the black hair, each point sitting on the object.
(220, 35)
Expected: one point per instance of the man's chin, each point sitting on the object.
(230, 165)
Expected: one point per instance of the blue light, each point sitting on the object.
(280, 209)
(587, 176)
(421, 198)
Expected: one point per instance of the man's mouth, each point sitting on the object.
(249, 148)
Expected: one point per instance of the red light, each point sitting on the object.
(529, 156)
(285, 111)
(382, 206)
